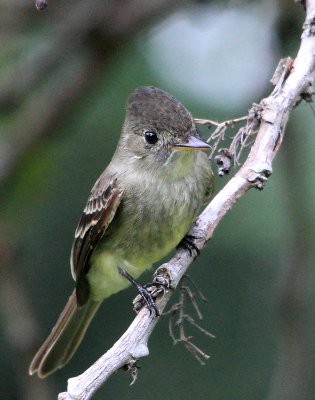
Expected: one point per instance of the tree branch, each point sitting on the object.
(292, 85)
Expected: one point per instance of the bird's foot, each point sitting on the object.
(147, 293)
(188, 243)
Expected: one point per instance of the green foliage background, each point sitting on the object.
(257, 272)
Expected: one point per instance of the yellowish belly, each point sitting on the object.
(103, 276)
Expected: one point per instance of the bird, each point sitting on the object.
(139, 209)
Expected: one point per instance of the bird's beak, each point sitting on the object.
(193, 143)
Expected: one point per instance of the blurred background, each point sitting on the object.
(65, 74)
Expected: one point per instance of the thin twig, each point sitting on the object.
(218, 135)
(178, 310)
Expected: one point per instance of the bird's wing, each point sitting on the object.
(98, 213)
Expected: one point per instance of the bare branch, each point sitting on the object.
(178, 310)
(218, 135)
(253, 174)
(240, 140)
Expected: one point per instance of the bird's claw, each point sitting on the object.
(146, 295)
(188, 244)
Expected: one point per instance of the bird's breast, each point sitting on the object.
(155, 213)
(153, 217)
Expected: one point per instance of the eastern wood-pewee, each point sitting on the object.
(139, 209)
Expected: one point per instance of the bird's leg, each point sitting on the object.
(145, 294)
(188, 243)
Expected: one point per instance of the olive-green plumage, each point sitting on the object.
(138, 211)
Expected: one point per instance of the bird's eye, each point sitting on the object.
(150, 137)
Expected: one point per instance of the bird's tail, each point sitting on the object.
(64, 338)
